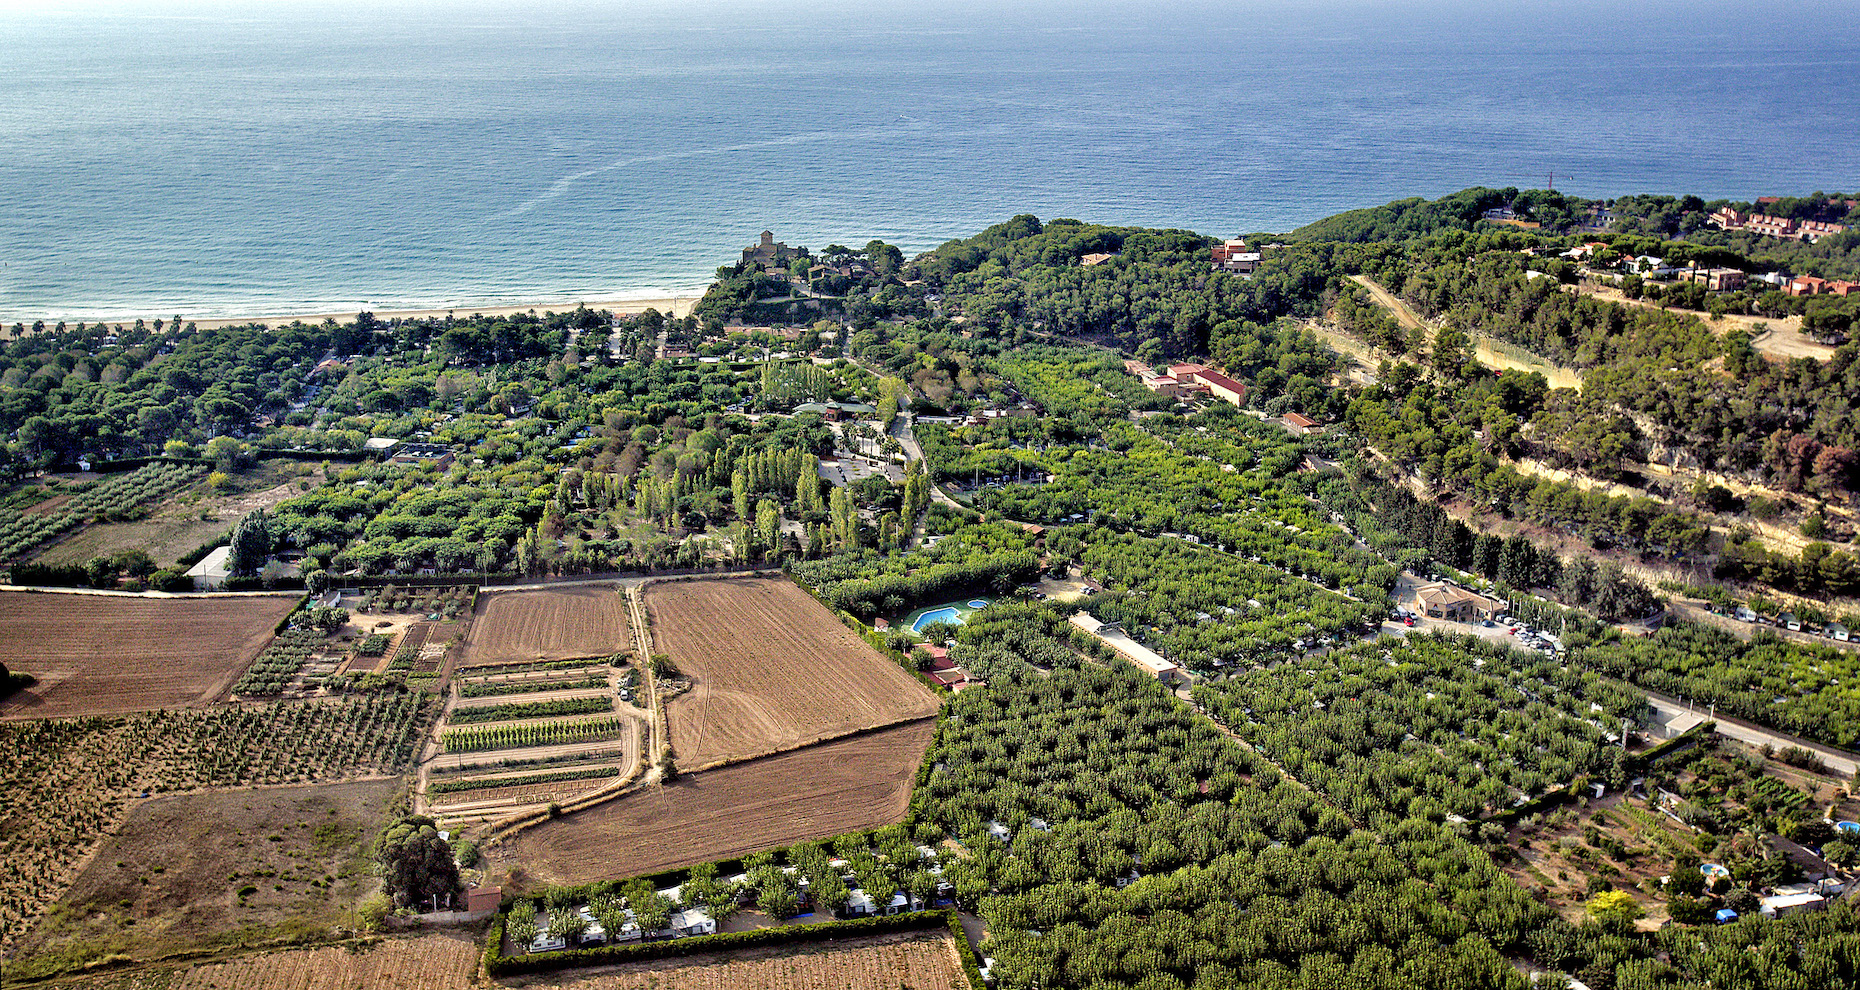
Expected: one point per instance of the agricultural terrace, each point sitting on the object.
(198, 870)
(1429, 726)
(822, 790)
(555, 624)
(189, 516)
(1720, 802)
(97, 654)
(770, 669)
(966, 558)
(1811, 690)
(68, 782)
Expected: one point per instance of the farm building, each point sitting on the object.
(1145, 658)
(1453, 603)
(1299, 423)
(437, 454)
(836, 412)
(213, 569)
(483, 899)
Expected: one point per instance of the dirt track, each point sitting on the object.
(1494, 353)
(771, 668)
(818, 791)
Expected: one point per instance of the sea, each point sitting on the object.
(220, 159)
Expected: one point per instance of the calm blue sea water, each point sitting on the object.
(296, 157)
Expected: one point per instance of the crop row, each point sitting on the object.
(115, 498)
(478, 739)
(488, 689)
(484, 783)
(67, 782)
(281, 659)
(533, 709)
(571, 663)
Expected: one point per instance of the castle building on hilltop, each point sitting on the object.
(769, 253)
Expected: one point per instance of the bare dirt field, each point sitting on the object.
(828, 789)
(439, 961)
(920, 960)
(770, 668)
(99, 654)
(219, 867)
(556, 624)
(926, 960)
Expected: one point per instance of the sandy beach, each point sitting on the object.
(670, 305)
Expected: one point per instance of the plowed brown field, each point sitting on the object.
(448, 961)
(547, 625)
(827, 789)
(98, 654)
(920, 960)
(771, 668)
(440, 961)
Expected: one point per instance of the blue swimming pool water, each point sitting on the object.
(947, 613)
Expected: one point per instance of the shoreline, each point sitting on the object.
(675, 305)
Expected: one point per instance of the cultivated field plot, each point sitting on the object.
(440, 961)
(770, 668)
(829, 789)
(449, 960)
(547, 625)
(194, 869)
(67, 784)
(99, 655)
(177, 525)
(919, 960)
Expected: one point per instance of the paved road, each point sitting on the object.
(1680, 717)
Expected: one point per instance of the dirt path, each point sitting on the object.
(654, 752)
(1779, 339)
(1492, 353)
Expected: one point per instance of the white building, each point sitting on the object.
(213, 569)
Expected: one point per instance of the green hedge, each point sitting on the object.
(494, 943)
(970, 964)
(542, 962)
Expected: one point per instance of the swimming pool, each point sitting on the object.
(947, 614)
(955, 613)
